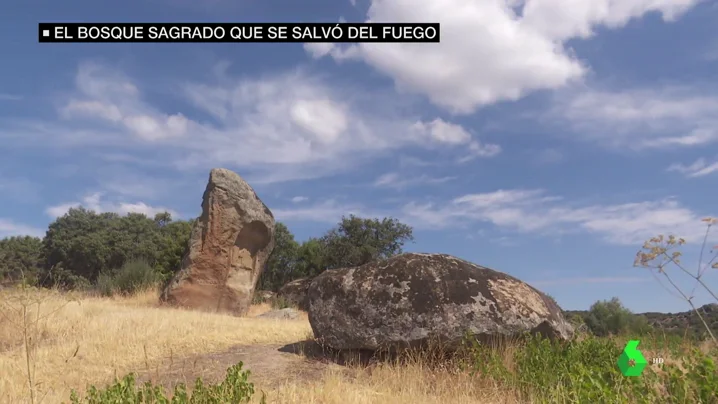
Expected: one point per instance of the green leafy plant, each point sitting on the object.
(235, 388)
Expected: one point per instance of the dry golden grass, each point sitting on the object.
(92, 339)
(400, 384)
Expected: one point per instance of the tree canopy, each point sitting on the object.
(610, 317)
(20, 259)
(83, 247)
(82, 244)
(352, 242)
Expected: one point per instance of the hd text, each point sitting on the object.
(240, 32)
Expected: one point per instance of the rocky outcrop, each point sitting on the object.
(295, 292)
(229, 246)
(411, 299)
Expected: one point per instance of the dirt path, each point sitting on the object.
(270, 366)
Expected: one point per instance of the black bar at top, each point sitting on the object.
(247, 32)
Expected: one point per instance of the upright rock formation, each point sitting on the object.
(411, 299)
(228, 248)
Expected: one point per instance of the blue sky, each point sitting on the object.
(543, 138)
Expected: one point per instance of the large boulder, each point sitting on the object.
(411, 299)
(295, 292)
(228, 248)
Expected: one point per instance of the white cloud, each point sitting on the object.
(9, 228)
(396, 181)
(299, 199)
(699, 168)
(94, 202)
(319, 49)
(108, 95)
(532, 211)
(641, 118)
(291, 125)
(329, 211)
(444, 132)
(447, 133)
(491, 50)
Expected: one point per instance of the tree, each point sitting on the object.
(356, 241)
(281, 266)
(610, 317)
(79, 242)
(173, 245)
(82, 244)
(20, 259)
(162, 219)
(311, 258)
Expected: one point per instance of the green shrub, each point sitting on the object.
(610, 317)
(133, 276)
(235, 388)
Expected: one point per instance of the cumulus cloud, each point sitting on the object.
(536, 212)
(698, 168)
(299, 199)
(447, 133)
(95, 202)
(492, 50)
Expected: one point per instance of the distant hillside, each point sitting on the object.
(675, 322)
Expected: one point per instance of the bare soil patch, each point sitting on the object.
(271, 366)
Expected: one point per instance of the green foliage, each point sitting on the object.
(83, 246)
(282, 263)
(356, 241)
(174, 239)
(20, 259)
(235, 388)
(585, 371)
(610, 317)
(698, 383)
(134, 276)
(311, 258)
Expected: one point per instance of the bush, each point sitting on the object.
(610, 317)
(234, 389)
(132, 277)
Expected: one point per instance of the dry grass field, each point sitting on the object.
(76, 340)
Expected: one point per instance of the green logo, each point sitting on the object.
(631, 362)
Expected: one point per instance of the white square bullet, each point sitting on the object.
(45, 32)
